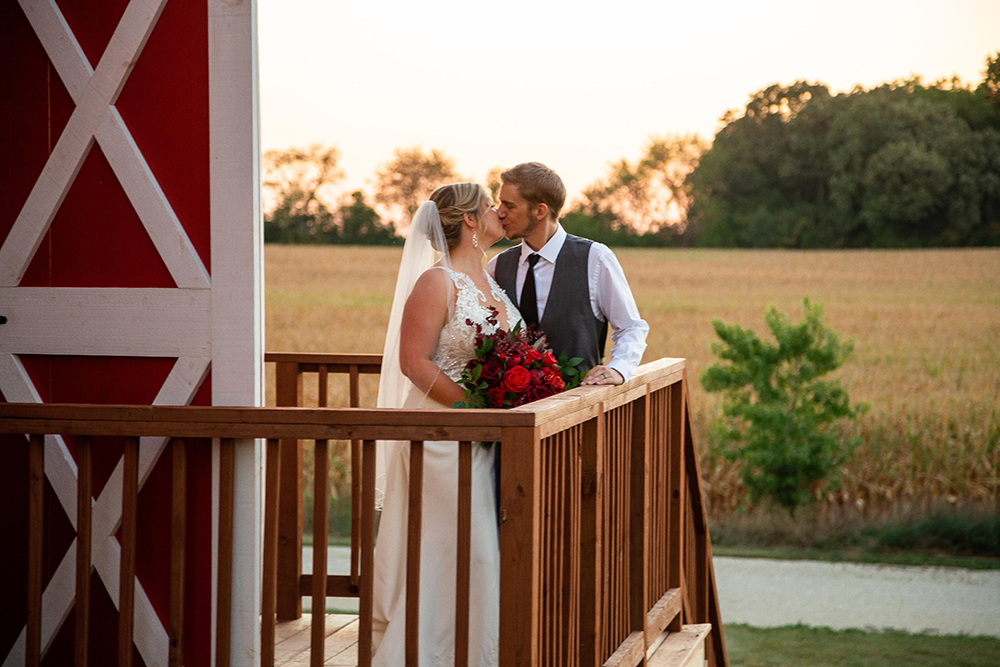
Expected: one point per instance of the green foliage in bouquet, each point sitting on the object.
(778, 415)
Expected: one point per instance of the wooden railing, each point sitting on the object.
(603, 541)
(600, 503)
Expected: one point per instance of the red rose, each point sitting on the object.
(541, 391)
(549, 359)
(516, 379)
(554, 379)
(491, 371)
(496, 397)
(513, 359)
(537, 376)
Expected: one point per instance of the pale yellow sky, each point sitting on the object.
(576, 85)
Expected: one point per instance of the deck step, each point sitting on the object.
(681, 649)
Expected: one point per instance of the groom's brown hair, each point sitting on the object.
(538, 185)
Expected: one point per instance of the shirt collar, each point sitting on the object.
(549, 251)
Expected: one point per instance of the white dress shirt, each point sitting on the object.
(610, 296)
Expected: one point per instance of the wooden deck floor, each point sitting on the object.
(291, 645)
(291, 641)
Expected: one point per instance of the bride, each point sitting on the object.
(441, 287)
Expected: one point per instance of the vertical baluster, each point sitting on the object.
(355, 386)
(83, 548)
(324, 385)
(675, 570)
(320, 507)
(36, 495)
(546, 554)
(558, 525)
(367, 581)
(320, 510)
(413, 552)
(592, 539)
(355, 480)
(227, 453)
(356, 503)
(463, 557)
(126, 580)
(270, 590)
(178, 535)
(638, 508)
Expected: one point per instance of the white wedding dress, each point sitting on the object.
(438, 542)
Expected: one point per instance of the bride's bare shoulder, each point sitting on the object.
(431, 283)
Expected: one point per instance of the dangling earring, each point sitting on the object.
(475, 240)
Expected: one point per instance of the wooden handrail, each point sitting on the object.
(685, 590)
(603, 534)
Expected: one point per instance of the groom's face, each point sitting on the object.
(515, 214)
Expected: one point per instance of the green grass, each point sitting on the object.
(800, 646)
(914, 558)
(944, 537)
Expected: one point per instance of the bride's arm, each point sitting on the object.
(424, 315)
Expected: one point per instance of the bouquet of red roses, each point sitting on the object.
(513, 368)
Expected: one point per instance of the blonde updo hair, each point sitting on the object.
(453, 202)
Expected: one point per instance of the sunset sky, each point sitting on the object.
(576, 85)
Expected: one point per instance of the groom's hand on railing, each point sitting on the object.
(602, 375)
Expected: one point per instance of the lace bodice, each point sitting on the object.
(456, 346)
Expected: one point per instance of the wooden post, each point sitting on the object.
(36, 495)
(321, 489)
(223, 628)
(367, 582)
(591, 542)
(520, 541)
(126, 580)
(267, 607)
(639, 518)
(83, 547)
(288, 393)
(178, 529)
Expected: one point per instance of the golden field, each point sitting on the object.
(926, 326)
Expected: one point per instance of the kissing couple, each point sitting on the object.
(571, 289)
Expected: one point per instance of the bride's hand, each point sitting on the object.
(602, 375)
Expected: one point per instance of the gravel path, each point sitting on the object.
(769, 593)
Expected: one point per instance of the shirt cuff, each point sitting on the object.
(624, 369)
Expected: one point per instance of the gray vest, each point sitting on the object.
(569, 323)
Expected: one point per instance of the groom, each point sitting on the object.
(569, 287)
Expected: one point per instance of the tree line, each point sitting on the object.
(903, 164)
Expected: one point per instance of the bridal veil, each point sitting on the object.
(425, 247)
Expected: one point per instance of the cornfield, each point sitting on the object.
(926, 326)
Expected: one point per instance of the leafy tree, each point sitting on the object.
(650, 194)
(409, 178)
(298, 189)
(778, 415)
(903, 164)
(600, 227)
(360, 224)
(493, 182)
(990, 86)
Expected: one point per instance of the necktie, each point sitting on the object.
(529, 302)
